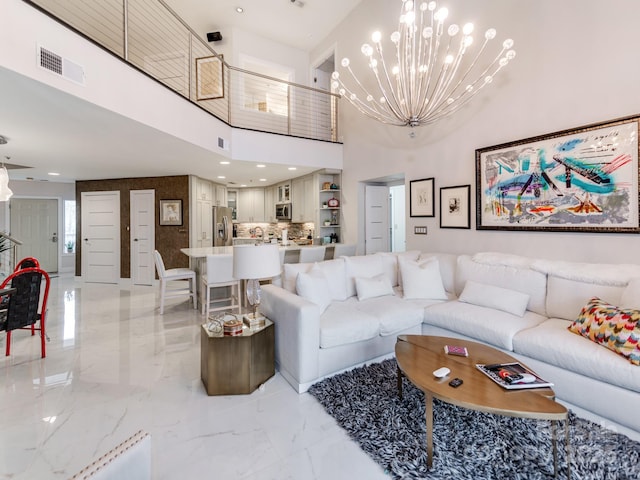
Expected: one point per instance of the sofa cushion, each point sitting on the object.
(336, 273)
(630, 297)
(491, 296)
(313, 286)
(551, 342)
(512, 277)
(484, 324)
(290, 273)
(421, 279)
(565, 298)
(378, 286)
(393, 314)
(617, 329)
(362, 266)
(448, 262)
(342, 323)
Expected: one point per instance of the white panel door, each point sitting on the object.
(100, 224)
(143, 220)
(376, 218)
(35, 223)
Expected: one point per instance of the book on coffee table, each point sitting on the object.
(513, 376)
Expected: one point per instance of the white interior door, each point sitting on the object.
(398, 218)
(100, 224)
(142, 236)
(377, 233)
(35, 223)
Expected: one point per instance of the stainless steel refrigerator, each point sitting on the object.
(222, 227)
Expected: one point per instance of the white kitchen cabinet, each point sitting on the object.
(250, 205)
(204, 189)
(304, 199)
(220, 195)
(270, 197)
(204, 223)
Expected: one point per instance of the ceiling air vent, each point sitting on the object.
(60, 66)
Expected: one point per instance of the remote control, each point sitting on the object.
(455, 383)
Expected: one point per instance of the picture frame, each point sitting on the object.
(578, 180)
(422, 198)
(455, 207)
(171, 212)
(209, 78)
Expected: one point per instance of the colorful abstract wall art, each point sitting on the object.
(579, 180)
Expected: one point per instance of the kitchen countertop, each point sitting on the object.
(228, 250)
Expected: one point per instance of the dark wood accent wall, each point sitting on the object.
(169, 239)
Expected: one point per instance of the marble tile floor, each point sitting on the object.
(115, 365)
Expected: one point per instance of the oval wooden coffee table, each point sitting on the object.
(419, 355)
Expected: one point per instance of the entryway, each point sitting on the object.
(383, 222)
(34, 221)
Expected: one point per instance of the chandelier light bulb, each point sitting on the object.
(335, 75)
(367, 50)
(441, 15)
(425, 76)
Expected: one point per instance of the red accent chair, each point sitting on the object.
(27, 262)
(19, 309)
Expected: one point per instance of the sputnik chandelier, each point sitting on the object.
(431, 78)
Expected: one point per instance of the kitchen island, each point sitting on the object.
(198, 258)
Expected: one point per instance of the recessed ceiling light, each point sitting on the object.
(239, 9)
(292, 168)
(221, 176)
(55, 174)
(261, 166)
(243, 185)
(263, 179)
(224, 163)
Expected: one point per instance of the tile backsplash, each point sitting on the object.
(294, 230)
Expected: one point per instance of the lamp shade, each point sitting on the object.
(255, 261)
(5, 191)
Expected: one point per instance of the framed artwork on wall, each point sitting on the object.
(171, 212)
(579, 180)
(209, 78)
(422, 198)
(455, 207)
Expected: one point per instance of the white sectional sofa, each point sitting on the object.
(336, 314)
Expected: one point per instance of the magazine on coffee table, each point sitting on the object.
(513, 376)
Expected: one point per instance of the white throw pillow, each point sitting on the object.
(491, 296)
(421, 279)
(314, 286)
(377, 286)
(290, 273)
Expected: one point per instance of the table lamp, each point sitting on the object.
(253, 263)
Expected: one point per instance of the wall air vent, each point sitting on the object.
(60, 66)
(222, 143)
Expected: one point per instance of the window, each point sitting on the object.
(69, 226)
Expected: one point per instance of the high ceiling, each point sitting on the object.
(52, 131)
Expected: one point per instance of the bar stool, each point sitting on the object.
(312, 254)
(174, 274)
(344, 250)
(219, 273)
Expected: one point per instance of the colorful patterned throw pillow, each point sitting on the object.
(616, 328)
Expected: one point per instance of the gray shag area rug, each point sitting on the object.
(467, 444)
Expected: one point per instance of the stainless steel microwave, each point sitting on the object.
(283, 211)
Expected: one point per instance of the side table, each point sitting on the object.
(235, 365)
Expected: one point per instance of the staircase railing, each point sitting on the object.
(150, 36)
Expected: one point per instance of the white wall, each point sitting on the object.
(576, 64)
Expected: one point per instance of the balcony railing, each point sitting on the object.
(150, 36)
